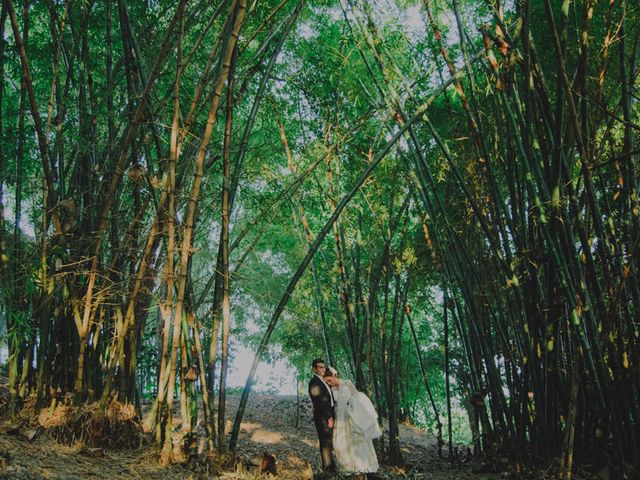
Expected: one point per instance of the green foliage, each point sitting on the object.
(491, 202)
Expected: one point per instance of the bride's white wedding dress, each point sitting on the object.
(356, 424)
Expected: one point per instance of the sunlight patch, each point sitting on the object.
(249, 426)
(265, 436)
(310, 443)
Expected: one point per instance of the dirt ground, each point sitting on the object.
(269, 427)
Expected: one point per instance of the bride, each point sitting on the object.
(356, 424)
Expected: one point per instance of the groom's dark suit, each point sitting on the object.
(323, 410)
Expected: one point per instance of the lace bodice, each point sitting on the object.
(345, 392)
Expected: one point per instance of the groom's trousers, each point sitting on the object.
(325, 435)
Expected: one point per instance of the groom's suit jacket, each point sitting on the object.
(321, 399)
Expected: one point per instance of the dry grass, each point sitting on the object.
(117, 427)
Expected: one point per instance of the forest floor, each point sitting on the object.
(269, 427)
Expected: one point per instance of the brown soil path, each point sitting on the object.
(269, 426)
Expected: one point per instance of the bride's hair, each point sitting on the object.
(330, 372)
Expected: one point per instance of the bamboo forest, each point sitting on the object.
(430, 208)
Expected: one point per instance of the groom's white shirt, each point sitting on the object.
(328, 388)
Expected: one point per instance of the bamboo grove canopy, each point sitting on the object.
(363, 179)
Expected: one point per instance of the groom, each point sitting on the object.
(323, 413)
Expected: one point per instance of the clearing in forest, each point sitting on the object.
(269, 426)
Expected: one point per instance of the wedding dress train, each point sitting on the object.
(356, 425)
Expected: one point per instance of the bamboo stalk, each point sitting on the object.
(110, 198)
(224, 242)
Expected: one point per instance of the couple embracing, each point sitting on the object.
(346, 422)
